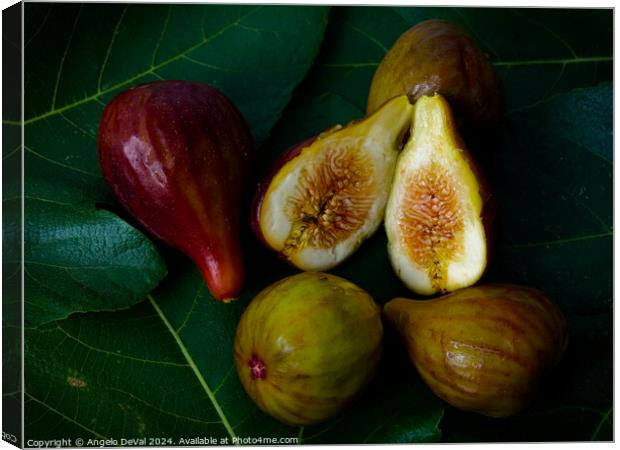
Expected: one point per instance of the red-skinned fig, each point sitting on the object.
(177, 154)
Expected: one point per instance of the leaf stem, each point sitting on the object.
(194, 367)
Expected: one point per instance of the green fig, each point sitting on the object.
(436, 56)
(484, 348)
(307, 345)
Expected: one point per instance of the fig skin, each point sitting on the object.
(176, 155)
(307, 345)
(298, 209)
(435, 143)
(482, 349)
(438, 56)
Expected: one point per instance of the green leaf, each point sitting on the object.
(78, 260)
(79, 257)
(165, 366)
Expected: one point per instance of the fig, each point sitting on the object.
(437, 56)
(176, 155)
(307, 345)
(439, 215)
(482, 349)
(325, 196)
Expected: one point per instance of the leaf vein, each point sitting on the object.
(161, 35)
(368, 36)
(224, 380)
(157, 408)
(12, 152)
(194, 367)
(77, 127)
(64, 55)
(84, 427)
(40, 27)
(87, 267)
(192, 307)
(546, 28)
(99, 93)
(109, 49)
(535, 62)
(118, 355)
(559, 241)
(211, 66)
(604, 419)
(66, 166)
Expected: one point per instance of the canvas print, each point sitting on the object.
(232, 224)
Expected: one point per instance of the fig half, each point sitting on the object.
(438, 216)
(326, 195)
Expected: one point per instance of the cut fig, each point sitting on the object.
(328, 194)
(437, 218)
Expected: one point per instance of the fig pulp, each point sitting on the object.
(176, 154)
(439, 212)
(437, 56)
(326, 195)
(307, 345)
(484, 348)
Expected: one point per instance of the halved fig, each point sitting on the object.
(326, 195)
(438, 213)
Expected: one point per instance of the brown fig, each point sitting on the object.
(176, 154)
(437, 56)
(484, 348)
(439, 216)
(307, 345)
(326, 195)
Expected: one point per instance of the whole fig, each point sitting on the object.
(177, 155)
(307, 345)
(436, 56)
(484, 348)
